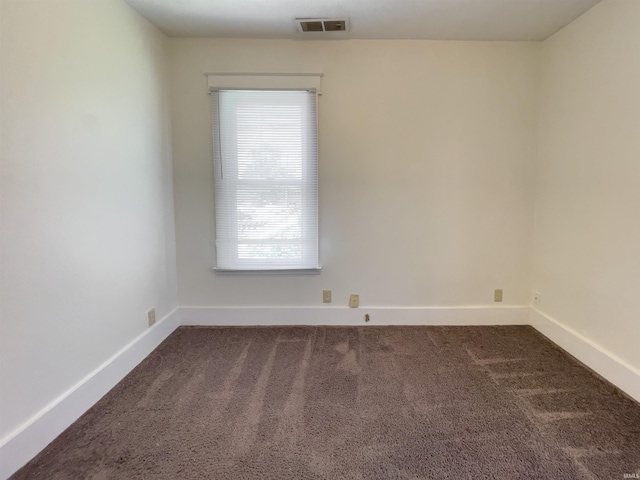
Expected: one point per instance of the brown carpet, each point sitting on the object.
(352, 403)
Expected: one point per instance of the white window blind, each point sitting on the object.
(266, 179)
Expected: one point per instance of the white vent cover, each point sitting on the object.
(311, 25)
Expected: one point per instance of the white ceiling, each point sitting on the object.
(390, 19)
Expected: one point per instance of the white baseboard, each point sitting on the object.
(600, 360)
(17, 448)
(249, 316)
(20, 446)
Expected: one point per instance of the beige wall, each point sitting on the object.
(87, 239)
(426, 163)
(587, 228)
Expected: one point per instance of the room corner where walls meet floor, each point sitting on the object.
(408, 401)
(24, 444)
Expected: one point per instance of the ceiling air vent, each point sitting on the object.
(322, 24)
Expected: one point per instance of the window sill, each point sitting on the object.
(279, 271)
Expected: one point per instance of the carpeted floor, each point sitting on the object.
(352, 403)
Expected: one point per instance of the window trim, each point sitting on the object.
(265, 81)
(278, 271)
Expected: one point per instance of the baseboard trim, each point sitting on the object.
(20, 446)
(255, 316)
(594, 356)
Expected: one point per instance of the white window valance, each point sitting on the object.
(265, 81)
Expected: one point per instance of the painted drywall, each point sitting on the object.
(425, 171)
(587, 233)
(87, 242)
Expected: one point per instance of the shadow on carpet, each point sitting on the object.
(352, 403)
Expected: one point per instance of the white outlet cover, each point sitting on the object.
(326, 296)
(151, 316)
(354, 300)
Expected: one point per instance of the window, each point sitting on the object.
(266, 179)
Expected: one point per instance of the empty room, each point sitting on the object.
(245, 239)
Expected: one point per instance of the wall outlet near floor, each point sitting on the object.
(151, 315)
(326, 296)
(497, 295)
(354, 300)
(537, 298)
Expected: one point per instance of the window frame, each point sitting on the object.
(269, 82)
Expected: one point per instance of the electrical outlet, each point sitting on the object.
(354, 300)
(537, 298)
(497, 295)
(151, 315)
(326, 296)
